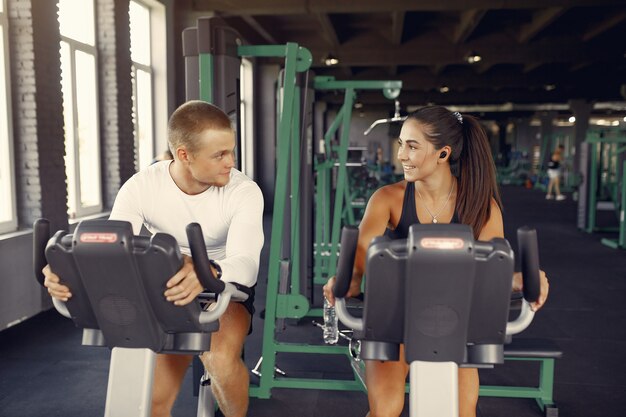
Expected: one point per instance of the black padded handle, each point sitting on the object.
(349, 241)
(529, 262)
(41, 235)
(201, 259)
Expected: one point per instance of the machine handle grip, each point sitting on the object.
(41, 235)
(345, 264)
(201, 259)
(529, 262)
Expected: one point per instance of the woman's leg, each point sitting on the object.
(557, 186)
(550, 185)
(385, 386)
(168, 376)
(468, 391)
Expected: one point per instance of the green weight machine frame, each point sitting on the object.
(286, 301)
(596, 140)
(620, 242)
(282, 302)
(326, 236)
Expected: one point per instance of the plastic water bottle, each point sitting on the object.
(331, 326)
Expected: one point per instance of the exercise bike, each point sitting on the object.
(117, 281)
(445, 296)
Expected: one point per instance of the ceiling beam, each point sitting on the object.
(254, 24)
(330, 35)
(423, 80)
(468, 23)
(603, 26)
(427, 53)
(531, 66)
(437, 69)
(579, 65)
(328, 30)
(286, 7)
(454, 97)
(397, 27)
(251, 35)
(541, 20)
(483, 67)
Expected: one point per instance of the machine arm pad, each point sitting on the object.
(201, 259)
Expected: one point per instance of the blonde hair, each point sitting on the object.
(191, 119)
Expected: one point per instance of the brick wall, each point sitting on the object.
(118, 149)
(37, 112)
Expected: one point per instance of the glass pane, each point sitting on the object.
(87, 129)
(144, 139)
(68, 118)
(73, 11)
(6, 190)
(139, 33)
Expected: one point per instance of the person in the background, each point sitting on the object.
(554, 174)
(199, 185)
(449, 177)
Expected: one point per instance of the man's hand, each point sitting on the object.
(184, 286)
(353, 291)
(544, 288)
(53, 283)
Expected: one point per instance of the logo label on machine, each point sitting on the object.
(97, 237)
(442, 243)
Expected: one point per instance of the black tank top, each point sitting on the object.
(552, 164)
(409, 215)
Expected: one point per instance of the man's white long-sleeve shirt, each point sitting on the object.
(231, 217)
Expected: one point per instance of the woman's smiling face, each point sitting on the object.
(416, 153)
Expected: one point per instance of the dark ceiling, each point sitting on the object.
(533, 51)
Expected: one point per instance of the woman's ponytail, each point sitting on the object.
(477, 177)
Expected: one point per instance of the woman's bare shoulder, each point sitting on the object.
(386, 197)
(390, 191)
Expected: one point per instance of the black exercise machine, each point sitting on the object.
(117, 282)
(445, 296)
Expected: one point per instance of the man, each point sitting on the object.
(199, 185)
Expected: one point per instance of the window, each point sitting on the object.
(151, 109)
(8, 218)
(140, 38)
(80, 107)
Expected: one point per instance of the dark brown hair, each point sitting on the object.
(470, 161)
(191, 119)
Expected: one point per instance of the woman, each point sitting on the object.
(449, 177)
(554, 174)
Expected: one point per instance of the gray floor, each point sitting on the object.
(45, 372)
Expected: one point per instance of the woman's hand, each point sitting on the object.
(353, 291)
(544, 288)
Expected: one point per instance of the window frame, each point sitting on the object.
(11, 224)
(80, 210)
(149, 69)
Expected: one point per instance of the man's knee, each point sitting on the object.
(222, 360)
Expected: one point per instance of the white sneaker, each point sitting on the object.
(560, 197)
(549, 197)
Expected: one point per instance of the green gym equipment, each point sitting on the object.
(607, 185)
